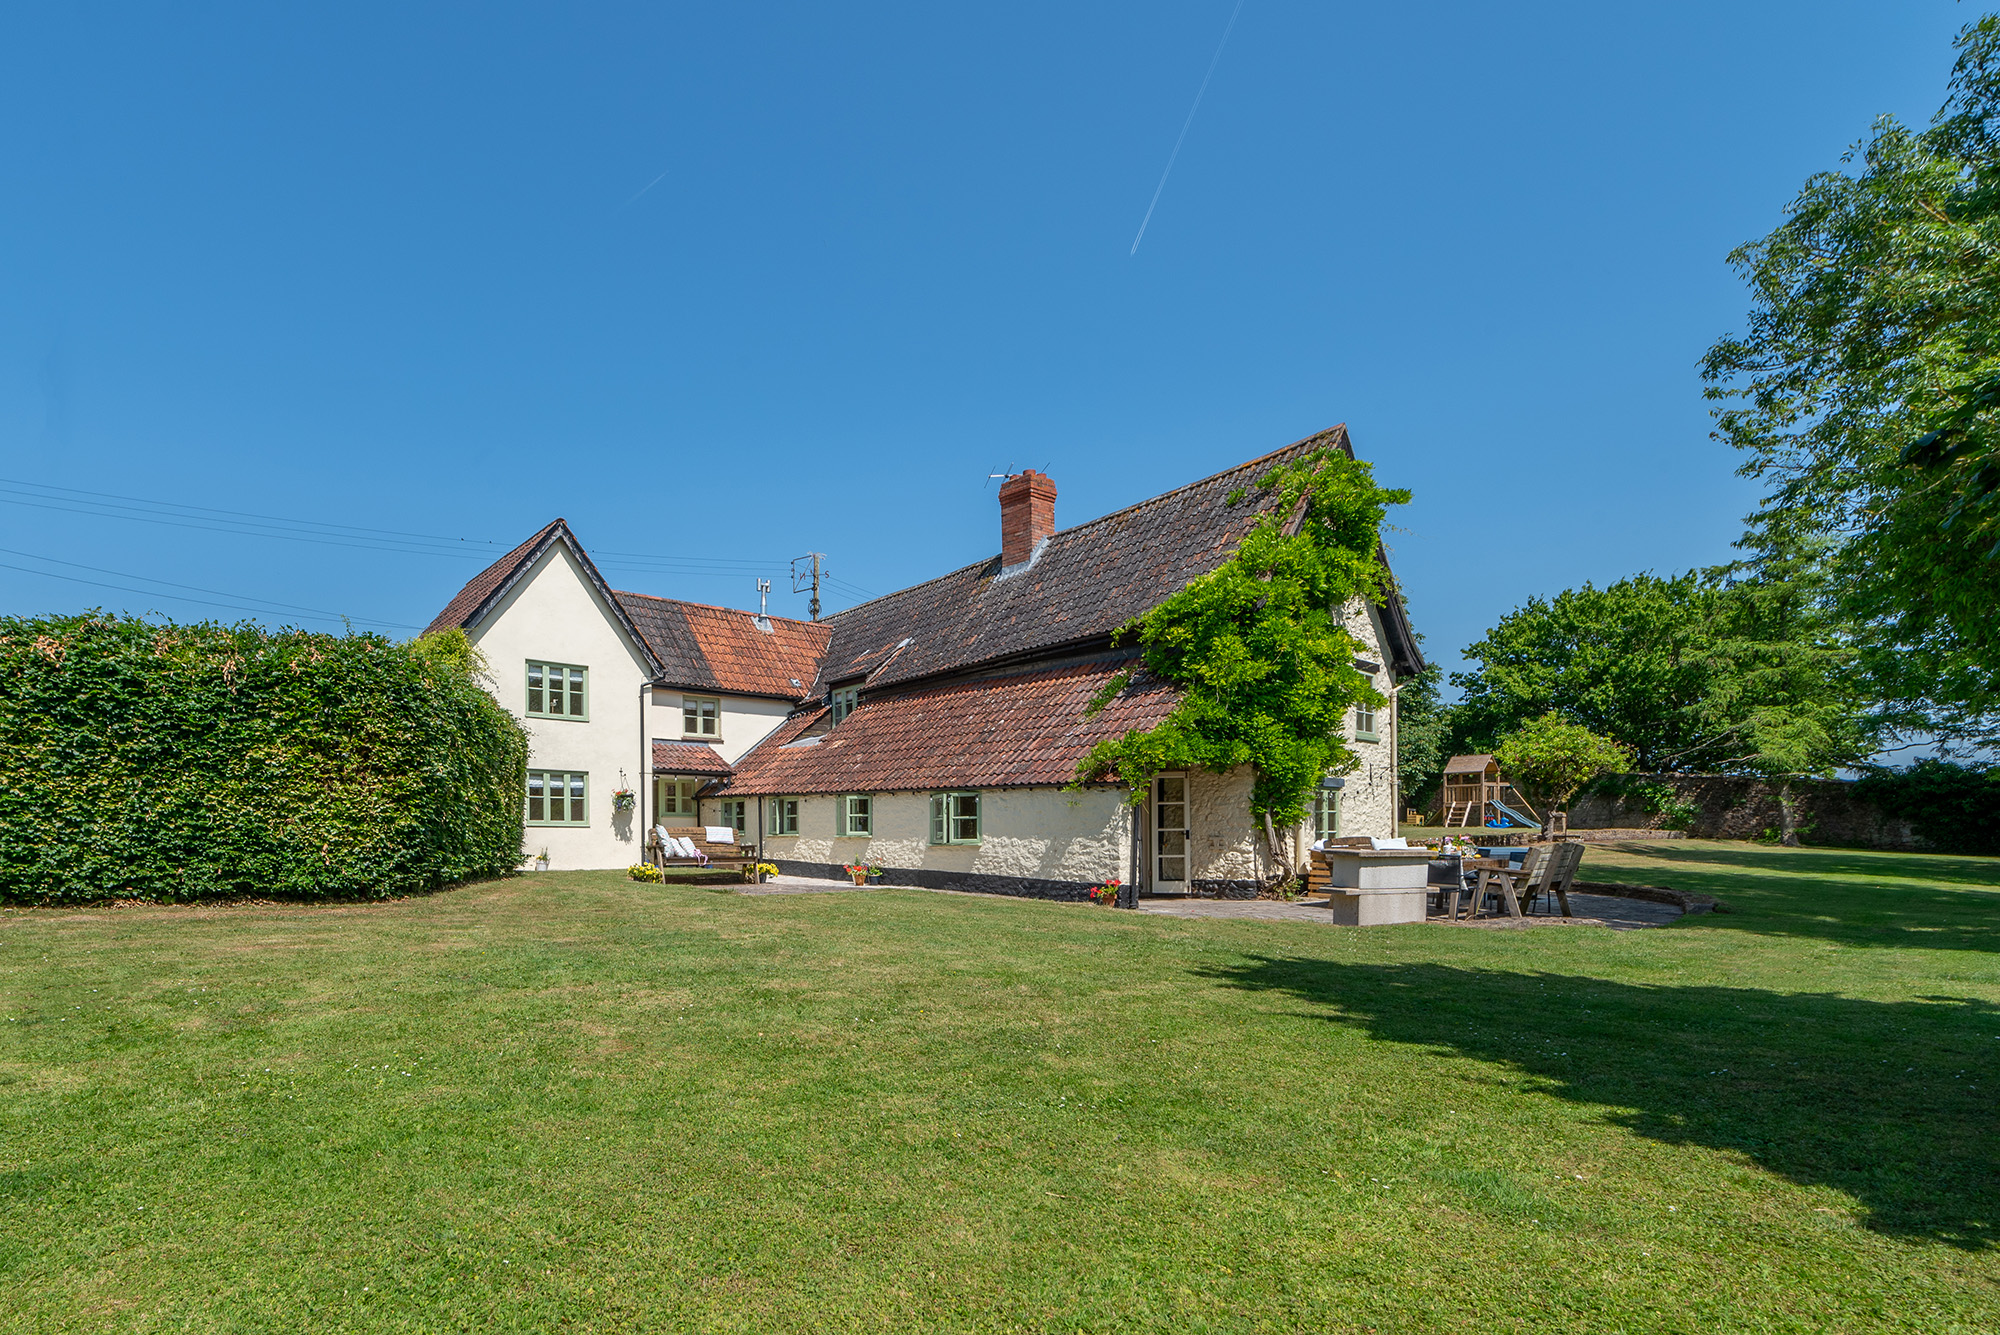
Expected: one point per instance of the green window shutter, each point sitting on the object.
(937, 818)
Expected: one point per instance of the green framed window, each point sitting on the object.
(1364, 724)
(558, 797)
(843, 702)
(782, 815)
(857, 815)
(954, 818)
(735, 813)
(675, 797)
(558, 690)
(1326, 814)
(701, 716)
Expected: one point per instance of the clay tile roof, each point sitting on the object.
(688, 758)
(1468, 764)
(713, 648)
(1023, 729)
(1081, 585)
(489, 586)
(463, 608)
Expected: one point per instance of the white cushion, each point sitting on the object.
(720, 834)
(1388, 843)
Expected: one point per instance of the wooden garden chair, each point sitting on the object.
(1564, 864)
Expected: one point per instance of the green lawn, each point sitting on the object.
(571, 1102)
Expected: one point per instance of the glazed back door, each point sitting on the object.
(1170, 834)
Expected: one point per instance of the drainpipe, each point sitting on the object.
(1395, 752)
(645, 768)
(1130, 899)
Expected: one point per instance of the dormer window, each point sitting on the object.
(843, 702)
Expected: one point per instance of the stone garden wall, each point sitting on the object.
(1728, 806)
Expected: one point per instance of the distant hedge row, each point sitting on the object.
(1955, 808)
(174, 762)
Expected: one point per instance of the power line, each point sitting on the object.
(195, 588)
(205, 602)
(240, 514)
(403, 549)
(242, 523)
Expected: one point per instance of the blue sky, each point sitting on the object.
(400, 268)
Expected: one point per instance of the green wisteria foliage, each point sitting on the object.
(1265, 667)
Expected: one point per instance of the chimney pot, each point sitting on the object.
(1027, 515)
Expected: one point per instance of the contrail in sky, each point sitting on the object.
(1184, 126)
(655, 181)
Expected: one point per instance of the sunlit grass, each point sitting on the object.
(571, 1101)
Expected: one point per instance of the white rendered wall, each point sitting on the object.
(1036, 833)
(554, 615)
(746, 721)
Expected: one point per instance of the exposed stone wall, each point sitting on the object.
(1368, 802)
(1227, 857)
(1729, 806)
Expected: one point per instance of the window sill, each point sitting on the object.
(959, 843)
(559, 718)
(701, 737)
(1367, 736)
(557, 824)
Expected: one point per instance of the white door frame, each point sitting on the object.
(1162, 859)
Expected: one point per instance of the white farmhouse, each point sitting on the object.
(933, 732)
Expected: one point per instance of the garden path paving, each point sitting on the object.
(1591, 910)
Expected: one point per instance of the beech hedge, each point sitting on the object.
(177, 762)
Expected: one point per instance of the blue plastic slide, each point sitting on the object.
(1516, 816)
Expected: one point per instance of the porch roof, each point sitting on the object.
(688, 758)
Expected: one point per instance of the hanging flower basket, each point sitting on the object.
(624, 800)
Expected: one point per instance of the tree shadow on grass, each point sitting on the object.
(1922, 900)
(1889, 1102)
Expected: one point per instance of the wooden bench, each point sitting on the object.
(728, 857)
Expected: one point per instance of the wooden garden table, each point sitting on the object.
(1486, 867)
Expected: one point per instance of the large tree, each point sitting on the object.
(1866, 390)
(1746, 668)
(1425, 734)
(1633, 660)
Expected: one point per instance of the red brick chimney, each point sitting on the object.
(1027, 515)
